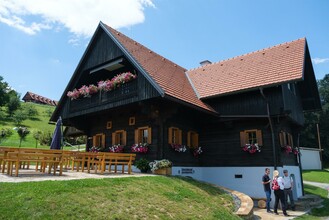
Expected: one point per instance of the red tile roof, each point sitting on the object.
(263, 68)
(29, 96)
(168, 75)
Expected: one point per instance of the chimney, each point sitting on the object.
(205, 62)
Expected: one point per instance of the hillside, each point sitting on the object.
(40, 122)
(153, 197)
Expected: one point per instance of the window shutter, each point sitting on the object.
(179, 136)
(170, 135)
(189, 139)
(113, 138)
(195, 140)
(259, 137)
(94, 140)
(103, 140)
(136, 136)
(149, 137)
(281, 139)
(290, 140)
(242, 138)
(124, 138)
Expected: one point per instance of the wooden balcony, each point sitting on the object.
(123, 92)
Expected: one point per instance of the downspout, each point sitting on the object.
(271, 126)
(300, 167)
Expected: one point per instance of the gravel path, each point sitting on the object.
(321, 185)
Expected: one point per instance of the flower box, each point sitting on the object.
(163, 171)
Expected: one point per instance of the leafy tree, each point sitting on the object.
(22, 133)
(309, 134)
(19, 116)
(5, 133)
(13, 103)
(45, 138)
(3, 92)
(37, 136)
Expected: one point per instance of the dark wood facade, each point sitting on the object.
(270, 110)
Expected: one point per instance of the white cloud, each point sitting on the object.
(78, 16)
(320, 60)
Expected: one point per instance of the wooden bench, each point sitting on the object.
(53, 160)
(118, 159)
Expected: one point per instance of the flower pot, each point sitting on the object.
(163, 171)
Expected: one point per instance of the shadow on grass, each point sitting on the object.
(323, 211)
(207, 187)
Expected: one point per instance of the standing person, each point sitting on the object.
(278, 187)
(288, 185)
(266, 183)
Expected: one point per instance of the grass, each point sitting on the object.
(317, 213)
(115, 198)
(321, 176)
(38, 123)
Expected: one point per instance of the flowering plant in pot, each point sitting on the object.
(140, 148)
(287, 149)
(116, 148)
(160, 164)
(178, 147)
(197, 151)
(251, 148)
(94, 149)
(143, 165)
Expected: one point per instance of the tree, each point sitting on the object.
(18, 117)
(22, 133)
(3, 92)
(13, 102)
(30, 110)
(5, 133)
(37, 136)
(309, 133)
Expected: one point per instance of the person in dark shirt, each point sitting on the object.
(266, 183)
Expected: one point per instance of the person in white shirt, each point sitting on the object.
(278, 192)
(288, 185)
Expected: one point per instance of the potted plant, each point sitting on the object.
(143, 165)
(162, 167)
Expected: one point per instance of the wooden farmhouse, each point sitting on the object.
(246, 113)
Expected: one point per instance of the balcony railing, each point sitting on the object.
(125, 91)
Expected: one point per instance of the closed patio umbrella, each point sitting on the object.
(56, 142)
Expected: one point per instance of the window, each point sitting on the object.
(132, 121)
(143, 135)
(251, 137)
(109, 125)
(285, 139)
(192, 139)
(99, 140)
(119, 137)
(174, 136)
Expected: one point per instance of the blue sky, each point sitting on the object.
(42, 43)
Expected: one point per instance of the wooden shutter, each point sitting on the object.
(195, 140)
(189, 139)
(94, 140)
(170, 135)
(259, 137)
(179, 136)
(149, 137)
(242, 138)
(124, 138)
(281, 138)
(113, 138)
(136, 136)
(103, 140)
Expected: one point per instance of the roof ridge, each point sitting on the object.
(137, 43)
(250, 53)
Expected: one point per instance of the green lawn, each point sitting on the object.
(115, 198)
(317, 213)
(321, 176)
(41, 122)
